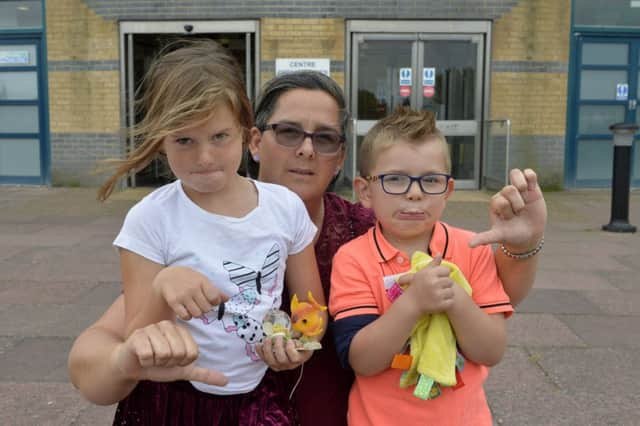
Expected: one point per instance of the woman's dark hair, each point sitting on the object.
(277, 86)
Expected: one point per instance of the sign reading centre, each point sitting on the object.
(285, 65)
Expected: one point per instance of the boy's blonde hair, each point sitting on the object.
(403, 125)
(187, 81)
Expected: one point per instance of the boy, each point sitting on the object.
(405, 178)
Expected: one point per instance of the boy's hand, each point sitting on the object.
(281, 355)
(187, 292)
(163, 352)
(518, 214)
(430, 289)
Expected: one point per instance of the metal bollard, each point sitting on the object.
(623, 134)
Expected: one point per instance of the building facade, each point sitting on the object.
(529, 83)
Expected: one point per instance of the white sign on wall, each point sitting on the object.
(428, 76)
(622, 92)
(284, 65)
(404, 77)
(14, 57)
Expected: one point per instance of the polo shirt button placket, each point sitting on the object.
(400, 260)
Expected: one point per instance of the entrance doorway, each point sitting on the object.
(24, 152)
(141, 42)
(605, 89)
(436, 66)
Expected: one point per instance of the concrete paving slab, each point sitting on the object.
(101, 295)
(42, 404)
(581, 318)
(616, 302)
(588, 374)
(37, 359)
(517, 372)
(43, 292)
(47, 320)
(583, 244)
(539, 330)
(60, 268)
(576, 262)
(95, 415)
(557, 301)
(571, 280)
(621, 280)
(7, 343)
(537, 406)
(607, 331)
(520, 393)
(593, 369)
(9, 250)
(96, 251)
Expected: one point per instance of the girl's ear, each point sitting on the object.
(362, 188)
(255, 138)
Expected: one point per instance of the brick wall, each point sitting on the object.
(84, 101)
(530, 55)
(302, 38)
(530, 52)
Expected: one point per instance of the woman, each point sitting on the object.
(297, 118)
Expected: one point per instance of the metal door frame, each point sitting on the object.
(44, 177)
(573, 105)
(128, 29)
(417, 32)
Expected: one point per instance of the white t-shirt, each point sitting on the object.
(244, 257)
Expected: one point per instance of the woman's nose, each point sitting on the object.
(306, 148)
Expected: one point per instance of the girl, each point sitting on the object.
(231, 238)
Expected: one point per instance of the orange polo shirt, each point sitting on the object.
(357, 288)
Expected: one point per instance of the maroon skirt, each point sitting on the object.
(179, 403)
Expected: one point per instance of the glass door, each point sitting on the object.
(141, 42)
(606, 91)
(438, 72)
(451, 85)
(22, 139)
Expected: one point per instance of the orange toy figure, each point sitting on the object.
(305, 318)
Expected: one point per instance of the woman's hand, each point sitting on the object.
(187, 292)
(281, 355)
(163, 352)
(518, 214)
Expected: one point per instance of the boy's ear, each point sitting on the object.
(255, 138)
(362, 188)
(450, 187)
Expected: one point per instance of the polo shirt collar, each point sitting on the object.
(385, 251)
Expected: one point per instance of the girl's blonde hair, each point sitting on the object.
(402, 125)
(187, 81)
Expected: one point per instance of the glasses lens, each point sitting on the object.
(395, 184)
(287, 135)
(327, 142)
(434, 184)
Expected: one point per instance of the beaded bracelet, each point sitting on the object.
(526, 254)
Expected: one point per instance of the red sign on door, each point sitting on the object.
(428, 91)
(405, 91)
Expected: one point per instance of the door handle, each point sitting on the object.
(632, 104)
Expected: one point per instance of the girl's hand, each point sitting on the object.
(430, 289)
(281, 355)
(163, 352)
(518, 214)
(187, 292)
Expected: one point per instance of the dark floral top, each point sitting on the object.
(321, 396)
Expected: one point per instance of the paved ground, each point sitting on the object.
(573, 356)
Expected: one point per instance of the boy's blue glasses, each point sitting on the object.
(399, 184)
